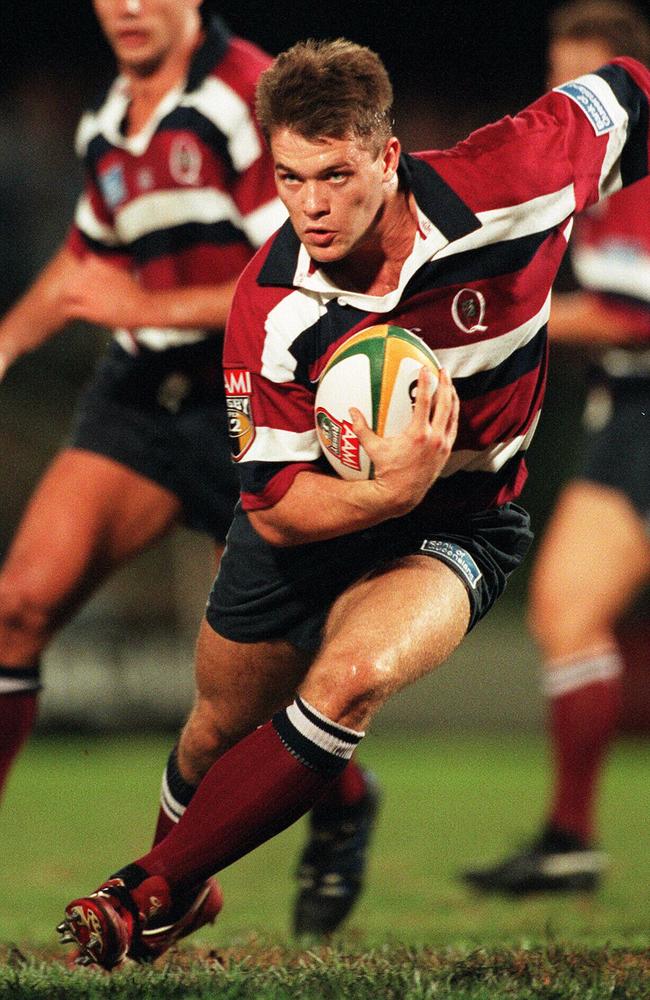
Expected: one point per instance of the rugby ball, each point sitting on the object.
(375, 370)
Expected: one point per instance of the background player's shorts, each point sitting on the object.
(163, 414)
(263, 592)
(617, 421)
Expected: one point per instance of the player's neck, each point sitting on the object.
(146, 90)
(375, 266)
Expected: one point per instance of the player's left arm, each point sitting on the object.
(582, 317)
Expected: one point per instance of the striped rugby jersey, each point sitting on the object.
(495, 214)
(610, 256)
(188, 199)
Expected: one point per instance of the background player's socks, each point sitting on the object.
(18, 706)
(258, 788)
(345, 791)
(584, 700)
(175, 796)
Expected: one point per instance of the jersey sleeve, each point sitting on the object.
(270, 414)
(574, 146)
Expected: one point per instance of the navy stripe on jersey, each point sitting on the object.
(165, 242)
(280, 264)
(634, 158)
(525, 359)
(98, 147)
(475, 265)
(438, 201)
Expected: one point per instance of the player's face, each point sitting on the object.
(144, 33)
(571, 57)
(333, 189)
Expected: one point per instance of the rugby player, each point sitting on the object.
(596, 546)
(179, 192)
(338, 593)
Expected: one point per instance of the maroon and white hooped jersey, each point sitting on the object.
(188, 199)
(495, 213)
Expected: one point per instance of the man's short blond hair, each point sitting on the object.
(327, 89)
(618, 24)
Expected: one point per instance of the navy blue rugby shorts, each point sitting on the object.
(617, 421)
(163, 414)
(263, 592)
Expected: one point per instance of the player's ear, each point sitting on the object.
(390, 157)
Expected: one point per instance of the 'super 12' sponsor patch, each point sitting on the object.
(590, 103)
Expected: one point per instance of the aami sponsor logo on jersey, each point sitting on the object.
(339, 439)
(241, 428)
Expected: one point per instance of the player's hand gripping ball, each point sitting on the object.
(375, 370)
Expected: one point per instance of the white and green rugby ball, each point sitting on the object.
(375, 370)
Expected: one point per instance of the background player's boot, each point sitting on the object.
(556, 862)
(187, 914)
(332, 866)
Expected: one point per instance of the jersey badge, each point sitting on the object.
(113, 185)
(590, 103)
(185, 160)
(241, 427)
(338, 438)
(468, 310)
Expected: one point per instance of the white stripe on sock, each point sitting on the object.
(577, 672)
(338, 746)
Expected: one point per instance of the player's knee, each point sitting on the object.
(23, 609)
(349, 691)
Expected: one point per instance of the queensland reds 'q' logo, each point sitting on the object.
(468, 310)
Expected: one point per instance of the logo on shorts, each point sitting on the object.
(174, 390)
(454, 555)
(338, 438)
(185, 160)
(238, 407)
(590, 103)
(113, 185)
(468, 310)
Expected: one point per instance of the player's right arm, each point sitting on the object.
(40, 312)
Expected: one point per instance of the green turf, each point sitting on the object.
(79, 807)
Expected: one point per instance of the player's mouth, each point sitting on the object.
(320, 237)
(132, 38)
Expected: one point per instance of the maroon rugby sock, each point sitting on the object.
(258, 788)
(18, 708)
(584, 708)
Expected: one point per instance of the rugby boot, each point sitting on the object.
(162, 931)
(105, 924)
(332, 866)
(556, 862)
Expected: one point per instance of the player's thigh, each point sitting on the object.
(88, 515)
(240, 685)
(385, 632)
(593, 558)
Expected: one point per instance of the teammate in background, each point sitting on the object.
(179, 192)
(596, 548)
(338, 593)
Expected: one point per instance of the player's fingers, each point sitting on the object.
(424, 393)
(443, 403)
(452, 423)
(360, 427)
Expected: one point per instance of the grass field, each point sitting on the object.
(79, 807)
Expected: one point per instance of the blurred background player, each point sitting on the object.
(595, 556)
(179, 192)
